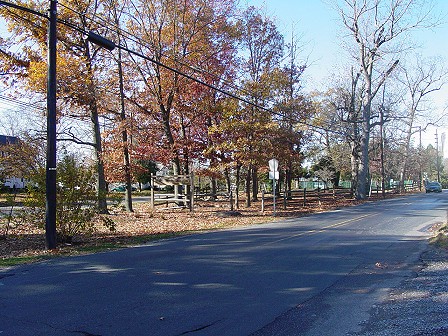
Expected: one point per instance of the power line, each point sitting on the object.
(139, 42)
(106, 24)
(113, 27)
(19, 103)
(25, 9)
(181, 73)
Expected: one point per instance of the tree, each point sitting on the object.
(185, 36)
(293, 110)
(23, 158)
(375, 27)
(263, 45)
(420, 79)
(147, 170)
(119, 109)
(326, 171)
(338, 122)
(78, 80)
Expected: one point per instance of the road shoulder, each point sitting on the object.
(389, 298)
(419, 305)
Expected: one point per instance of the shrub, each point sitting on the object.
(76, 199)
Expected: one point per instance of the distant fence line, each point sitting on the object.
(292, 199)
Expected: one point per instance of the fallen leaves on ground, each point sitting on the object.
(145, 224)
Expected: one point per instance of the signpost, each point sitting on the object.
(274, 176)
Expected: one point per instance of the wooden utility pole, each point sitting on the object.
(50, 182)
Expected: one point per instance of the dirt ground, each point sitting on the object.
(145, 224)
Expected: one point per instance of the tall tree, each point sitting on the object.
(420, 78)
(262, 46)
(294, 110)
(78, 84)
(185, 36)
(375, 27)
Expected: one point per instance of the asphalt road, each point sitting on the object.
(317, 275)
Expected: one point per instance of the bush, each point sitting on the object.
(76, 199)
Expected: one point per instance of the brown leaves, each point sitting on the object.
(145, 224)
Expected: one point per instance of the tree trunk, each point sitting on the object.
(101, 186)
(248, 184)
(228, 179)
(237, 184)
(214, 188)
(363, 166)
(404, 166)
(177, 188)
(124, 132)
(354, 158)
(254, 184)
(288, 181)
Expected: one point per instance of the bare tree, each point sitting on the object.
(377, 27)
(420, 79)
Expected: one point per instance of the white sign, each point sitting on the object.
(274, 175)
(273, 165)
(173, 180)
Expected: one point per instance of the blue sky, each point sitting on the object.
(319, 28)
(321, 31)
(314, 23)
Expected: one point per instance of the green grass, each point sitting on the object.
(14, 261)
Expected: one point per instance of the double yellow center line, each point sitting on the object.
(319, 230)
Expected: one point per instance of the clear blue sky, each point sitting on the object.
(315, 23)
(321, 30)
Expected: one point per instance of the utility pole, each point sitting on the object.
(420, 182)
(383, 179)
(50, 173)
(437, 157)
(50, 182)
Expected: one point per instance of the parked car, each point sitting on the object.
(433, 187)
(122, 188)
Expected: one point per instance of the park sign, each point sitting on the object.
(173, 180)
(273, 175)
(273, 169)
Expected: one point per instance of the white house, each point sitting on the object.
(11, 182)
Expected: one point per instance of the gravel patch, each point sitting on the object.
(418, 306)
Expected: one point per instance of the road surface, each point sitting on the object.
(316, 275)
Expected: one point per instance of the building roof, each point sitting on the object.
(8, 140)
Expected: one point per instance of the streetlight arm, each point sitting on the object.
(100, 41)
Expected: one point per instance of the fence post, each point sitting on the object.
(304, 196)
(152, 191)
(318, 196)
(262, 201)
(191, 191)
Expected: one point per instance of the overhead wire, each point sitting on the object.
(225, 92)
(113, 27)
(139, 41)
(18, 103)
